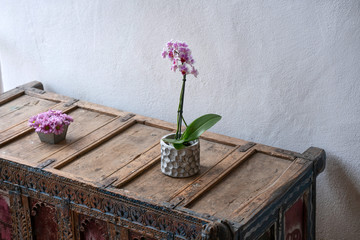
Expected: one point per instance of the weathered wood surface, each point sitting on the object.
(106, 148)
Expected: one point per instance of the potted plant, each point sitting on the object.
(180, 151)
(51, 126)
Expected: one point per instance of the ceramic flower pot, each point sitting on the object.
(180, 163)
(52, 138)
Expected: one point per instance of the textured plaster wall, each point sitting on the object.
(283, 73)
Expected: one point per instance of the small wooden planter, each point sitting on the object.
(105, 180)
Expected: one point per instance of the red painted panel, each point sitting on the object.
(43, 219)
(5, 218)
(295, 218)
(92, 229)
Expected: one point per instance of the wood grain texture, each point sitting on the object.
(22, 128)
(34, 150)
(155, 185)
(22, 108)
(19, 91)
(245, 181)
(277, 187)
(118, 153)
(104, 181)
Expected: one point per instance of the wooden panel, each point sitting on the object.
(43, 221)
(155, 185)
(16, 92)
(246, 181)
(273, 191)
(137, 166)
(295, 220)
(33, 150)
(22, 108)
(115, 153)
(92, 229)
(211, 177)
(5, 216)
(94, 139)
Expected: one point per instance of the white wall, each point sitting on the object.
(283, 73)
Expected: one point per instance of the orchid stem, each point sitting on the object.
(180, 110)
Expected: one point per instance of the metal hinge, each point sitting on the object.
(46, 163)
(71, 102)
(127, 117)
(246, 147)
(289, 153)
(108, 182)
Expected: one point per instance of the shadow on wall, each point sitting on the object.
(344, 213)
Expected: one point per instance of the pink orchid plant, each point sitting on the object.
(52, 121)
(180, 56)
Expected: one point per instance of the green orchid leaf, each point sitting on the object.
(178, 146)
(199, 126)
(171, 140)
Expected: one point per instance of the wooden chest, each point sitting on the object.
(104, 181)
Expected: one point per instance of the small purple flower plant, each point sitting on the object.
(52, 121)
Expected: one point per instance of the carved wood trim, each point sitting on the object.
(20, 216)
(101, 204)
(64, 220)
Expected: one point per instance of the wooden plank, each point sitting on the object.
(151, 183)
(10, 95)
(101, 109)
(155, 123)
(15, 159)
(210, 178)
(34, 150)
(127, 142)
(267, 195)
(219, 138)
(255, 171)
(22, 108)
(271, 151)
(19, 91)
(45, 95)
(137, 166)
(68, 154)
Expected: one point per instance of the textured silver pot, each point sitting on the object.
(180, 163)
(52, 138)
